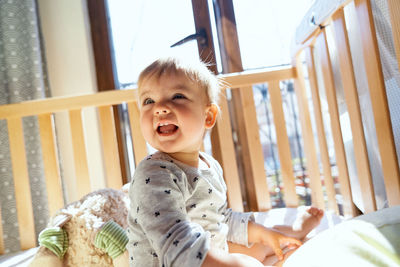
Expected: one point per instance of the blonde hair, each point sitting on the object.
(197, 71)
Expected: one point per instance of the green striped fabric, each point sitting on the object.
(112, 238)
(55, 239)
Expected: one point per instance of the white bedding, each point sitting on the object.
(20, 259)
(368, 240)
(287, 216)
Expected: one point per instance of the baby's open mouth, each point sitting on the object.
(166, 128)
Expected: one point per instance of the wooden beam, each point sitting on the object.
(110, 147)
(323, 147)
(251, 149)
(285, 157)
(21, 184)
(317, 197)
(376, 85)
(65, 103)
(351, 95)
(139, 144)
(50, 164)
(80, 157)
(249, 78)
(340, 153)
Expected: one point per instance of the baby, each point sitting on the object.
(178, 214)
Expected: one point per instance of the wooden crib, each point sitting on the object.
(314, 37)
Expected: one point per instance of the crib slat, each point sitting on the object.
(376, 85)
(224, 151)
(368, 196)
(79, 148)
(50, 164)
(309, 146)
(323, 147)
(21, 183)
(110, 147)
(351, 96)
(253, 158)
(394, 10)
(139, 144)
(285, 156)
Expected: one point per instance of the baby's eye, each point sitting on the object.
(179, 96)
(148, 101)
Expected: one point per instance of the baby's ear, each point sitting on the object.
(211, 115)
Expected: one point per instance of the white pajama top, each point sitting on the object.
(178, 211)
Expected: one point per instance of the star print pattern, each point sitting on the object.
(176, 210)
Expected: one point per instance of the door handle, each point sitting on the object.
(200, 36)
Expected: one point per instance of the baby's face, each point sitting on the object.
(173, 113)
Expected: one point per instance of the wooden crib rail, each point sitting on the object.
(45, 109)
(63, 103)
(317, 39)
(255, 181)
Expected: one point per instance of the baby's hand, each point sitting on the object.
(287, 254)
(276, 241)
(272, 238)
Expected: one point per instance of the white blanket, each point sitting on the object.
(368, 240)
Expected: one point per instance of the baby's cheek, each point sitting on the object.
(147, 130)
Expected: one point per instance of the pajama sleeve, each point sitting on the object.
(237, 223)
(159, 191)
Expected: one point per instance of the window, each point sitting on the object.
(144, 30)
(141, 31)
(265, 30)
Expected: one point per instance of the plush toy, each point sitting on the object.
(88, 232)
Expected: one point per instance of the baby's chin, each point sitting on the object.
(165, 147)
(176, 146)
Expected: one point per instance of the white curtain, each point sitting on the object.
(22, 77)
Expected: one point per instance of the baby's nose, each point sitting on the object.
(161, 109)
